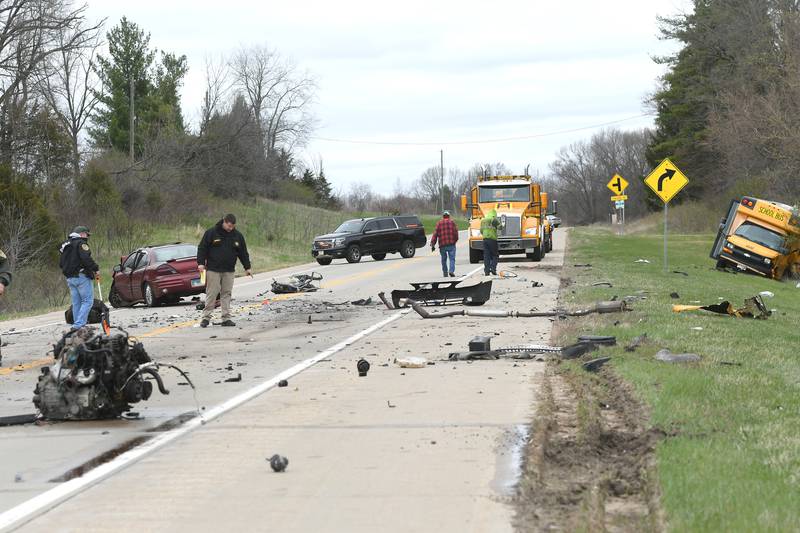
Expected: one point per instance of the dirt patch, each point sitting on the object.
(589, 464)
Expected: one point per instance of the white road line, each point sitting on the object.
(27, 511)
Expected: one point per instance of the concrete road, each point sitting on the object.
(400, 450)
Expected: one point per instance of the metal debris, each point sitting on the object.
(442, 292)
(669, 357)
(278, 463)
(363, 367)
(754, 307)
(297, 283)
(599, 307)
(595, 364)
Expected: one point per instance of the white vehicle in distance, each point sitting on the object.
(554, 220)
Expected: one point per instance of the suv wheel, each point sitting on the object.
(149, 296)
(324, 260)
(353, 254)
(379, 257)
(407, 249)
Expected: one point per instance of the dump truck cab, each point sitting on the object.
(760, 237)
(521, 208)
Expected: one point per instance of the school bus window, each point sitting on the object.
(761, 235)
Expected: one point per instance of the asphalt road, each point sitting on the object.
(439, 447)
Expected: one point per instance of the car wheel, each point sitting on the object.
(324, 260)
(115, 299)
(407, 249)
(150, 296)
(475, 256)
(536, 255)
(379, 257)
(353, 254)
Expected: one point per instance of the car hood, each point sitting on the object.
(330, 236)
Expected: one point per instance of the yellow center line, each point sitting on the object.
(189, 323)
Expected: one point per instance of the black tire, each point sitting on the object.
(407, 249)
(475, 256)
(549, 246)
(150, 298)
(536, 255)
(379, 257)
(353, 254)
(721, 263)
(324, 260)
(115, 299)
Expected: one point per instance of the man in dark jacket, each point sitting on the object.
(80, 270)
(5, 273)
(217, 253)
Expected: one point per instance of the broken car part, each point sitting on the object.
(95, 376)
(297, 283)
(278, 463)
(363, 367)
(599, 307)
(669, 357)
(753, 308)
(442, 292)
(595, 364)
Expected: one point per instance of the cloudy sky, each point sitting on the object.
(407, 79)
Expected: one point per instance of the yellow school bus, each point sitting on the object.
(760, 237)
(521, 206)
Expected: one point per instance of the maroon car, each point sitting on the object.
(155, 275)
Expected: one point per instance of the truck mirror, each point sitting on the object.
(555, 207)
(463, 202)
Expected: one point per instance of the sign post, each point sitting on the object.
(666, 180)
(617, 185)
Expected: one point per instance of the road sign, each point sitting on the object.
(619, 204)
(666, 180)
(617, 184)
(619, 197)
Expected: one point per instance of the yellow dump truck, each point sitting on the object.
(761, 237)
(521, 207)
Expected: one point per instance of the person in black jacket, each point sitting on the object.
(217, 253)
(80, 270)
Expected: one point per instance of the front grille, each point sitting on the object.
(323, 245)
(755, 261)
(512, 228)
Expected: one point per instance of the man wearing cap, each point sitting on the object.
(80, 270)
(217, 253)
(446, 233)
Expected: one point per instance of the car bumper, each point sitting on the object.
(509, 246)
(178, 286)
(334, 253)
(748, 264)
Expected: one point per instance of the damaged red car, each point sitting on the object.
(155, 275)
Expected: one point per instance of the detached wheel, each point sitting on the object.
(353, 254)
(115, 299)
(475, 256)
(379, 257)
(407, 249)
(324, 260)
(150, 296)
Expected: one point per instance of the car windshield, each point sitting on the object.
(761, 235)
(504, 193)
(179, 251)
(351, 226)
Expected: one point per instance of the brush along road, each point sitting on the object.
(431, 448)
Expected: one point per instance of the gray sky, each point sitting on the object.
(432, 72)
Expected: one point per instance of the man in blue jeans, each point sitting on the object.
(80, 270)
(446, 233)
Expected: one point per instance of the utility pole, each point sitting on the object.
(131, 122)
(441, 166)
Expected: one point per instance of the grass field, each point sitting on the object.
(731, 458)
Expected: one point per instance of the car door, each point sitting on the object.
(123, 280)
(370, 237)
(137, 276)
(390, 235)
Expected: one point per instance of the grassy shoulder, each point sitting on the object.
(731, 458)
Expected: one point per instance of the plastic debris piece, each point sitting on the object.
(669, 357)
(411, 362)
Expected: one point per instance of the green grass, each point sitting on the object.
(733, 462)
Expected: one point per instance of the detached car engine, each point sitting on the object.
(95, 376)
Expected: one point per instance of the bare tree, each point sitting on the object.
(429, 185)
(360, 197)
(67, 83)
(218, 86)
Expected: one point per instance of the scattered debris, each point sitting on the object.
(595, 364)
(234, 380)
(640, 260)
(669, 357)
(697, 328)
(362, 301)
(297, 283)
(442, 292)
(636, 342)
(573, 351)
(766, 294)
(17, 420)
(599, 307)
(602, 284)
(681, 272)
(278, 463)
(283, 383)
(537, 284)
(363, 367)
(390, 404)
(730, 363)
(411, 362)
(754, 307)
(586, 265)
(674, 295)
(601, 340)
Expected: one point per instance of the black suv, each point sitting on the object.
(370, 236)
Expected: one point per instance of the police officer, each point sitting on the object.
(80, 270)
(217, 253)
(5, 281)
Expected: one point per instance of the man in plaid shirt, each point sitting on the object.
(446, 233)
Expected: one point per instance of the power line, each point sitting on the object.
(481, 141)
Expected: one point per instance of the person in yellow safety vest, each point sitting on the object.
(489, 226)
